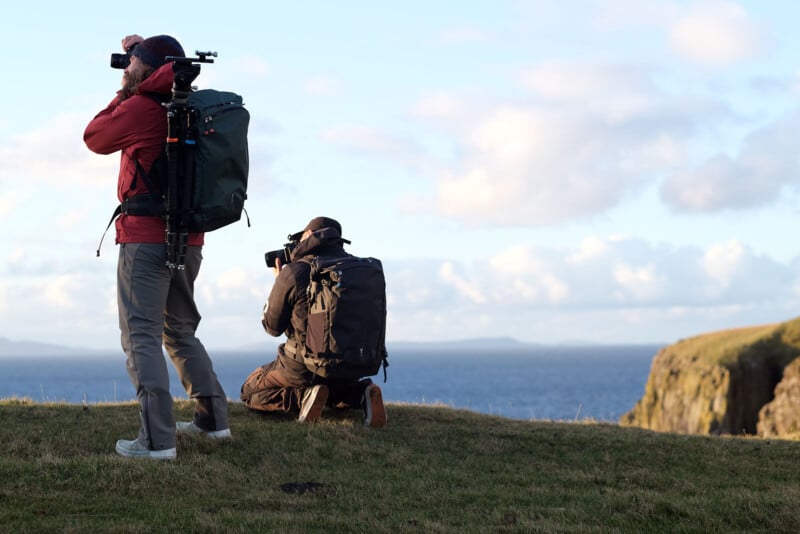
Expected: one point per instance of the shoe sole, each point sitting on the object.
(167, 454)
(194, 429)
(376, 412)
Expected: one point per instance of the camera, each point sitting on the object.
(121, 61)
(282, 254)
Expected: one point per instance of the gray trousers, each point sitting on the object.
(156, 306)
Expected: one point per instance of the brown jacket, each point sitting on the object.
(287, 307)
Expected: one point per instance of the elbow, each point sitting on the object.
(91, 143)
(269, 330)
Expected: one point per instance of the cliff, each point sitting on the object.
(718, 383)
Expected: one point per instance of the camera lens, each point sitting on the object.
(120, 61)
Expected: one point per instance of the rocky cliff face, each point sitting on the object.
(781, 416)
(717, 383)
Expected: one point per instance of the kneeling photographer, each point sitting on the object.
(307, 376)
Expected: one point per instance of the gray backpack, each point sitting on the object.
(346, 327)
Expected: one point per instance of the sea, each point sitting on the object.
(557, 383)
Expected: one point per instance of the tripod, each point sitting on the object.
(181, 145)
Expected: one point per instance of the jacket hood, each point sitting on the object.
(159, 81)
(325, 242)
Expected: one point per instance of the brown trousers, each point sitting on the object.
(274, 388)
(279, 386)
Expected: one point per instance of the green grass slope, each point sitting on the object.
(433, 469)
(781, 341)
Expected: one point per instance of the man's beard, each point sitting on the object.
(130, 83)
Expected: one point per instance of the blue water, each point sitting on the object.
(552, 383)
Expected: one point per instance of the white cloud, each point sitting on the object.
(766, 163)
(555, 289)
(639, 283)
(445, 105)
(515, 261)
(716, 32)
(531, 292)
(68, 308)
(627, 289)
(59, 293)
(54, 155)
(234, 289)
(374, 141)
(567, 158)
(614, 91)
(722, 261)
(465, 288)
(589, 248)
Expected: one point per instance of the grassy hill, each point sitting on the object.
(433, 469)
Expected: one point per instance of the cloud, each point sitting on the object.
(598, 273)
(54, 155)
(69, 308)
(445, 105)
(716, 32)
(722, 261)
(8, 204)
(637, 283)
(233, 286)
(590, 247)
(464, 288)
(589, 136)
(766, 163)
(600, 289)
(374, 141)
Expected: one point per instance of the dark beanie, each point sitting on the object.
(153, 50)
(318, 223)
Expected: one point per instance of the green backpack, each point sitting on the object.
(214, 179)
(221, 159)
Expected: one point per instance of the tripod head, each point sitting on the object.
(186, 70)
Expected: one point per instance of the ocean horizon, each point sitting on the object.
(520, 382)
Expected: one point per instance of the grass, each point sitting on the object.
(433, 469)
(780, 341)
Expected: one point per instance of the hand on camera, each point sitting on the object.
(129, 41)
(277, 269)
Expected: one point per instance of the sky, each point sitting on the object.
(581, 171)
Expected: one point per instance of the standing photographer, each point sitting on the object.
(155, 303)
(286, 384)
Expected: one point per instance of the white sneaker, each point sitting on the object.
(188, 427)
(314, 400)
(137, 449)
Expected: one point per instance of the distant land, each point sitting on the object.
(21, 348)
(9, 347)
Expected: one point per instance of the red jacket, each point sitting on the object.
(138, 127)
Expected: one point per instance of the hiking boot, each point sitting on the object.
(314, 400)
(188, 427)
(374, 411)
(137, 449)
